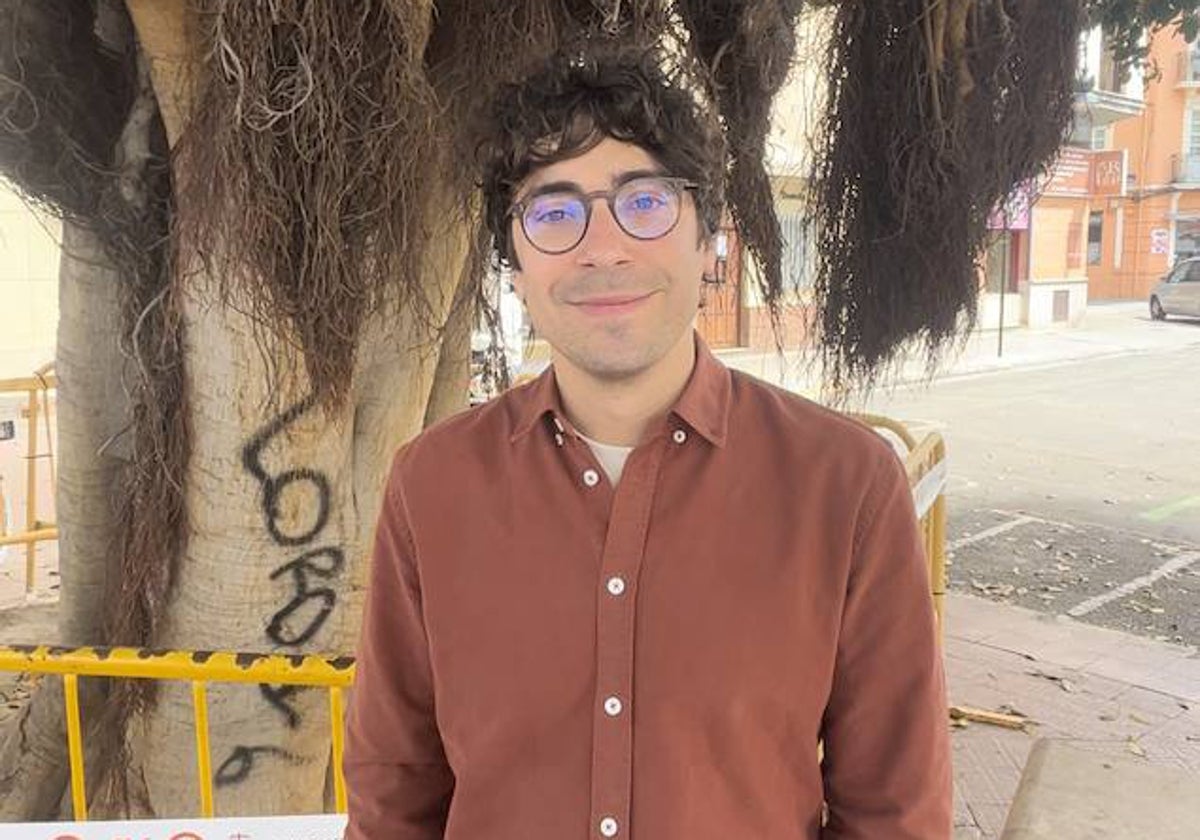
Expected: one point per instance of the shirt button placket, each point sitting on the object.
(612, 732)
(617, 593)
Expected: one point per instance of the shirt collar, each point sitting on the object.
(703, 405)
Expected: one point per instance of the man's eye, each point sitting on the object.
(645, 201)
(555, 212)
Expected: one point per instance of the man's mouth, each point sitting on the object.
(612, 304)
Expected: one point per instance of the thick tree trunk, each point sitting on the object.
(92, 412)
(93, 421)
(282, 499)
(282, 504)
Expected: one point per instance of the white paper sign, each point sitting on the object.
(319, 827)
(930, 487)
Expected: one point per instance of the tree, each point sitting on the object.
(1126, 23)
(272, 263)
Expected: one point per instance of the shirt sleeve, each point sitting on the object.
(398, 781)
(886, 733)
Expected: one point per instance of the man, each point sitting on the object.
(629, 599)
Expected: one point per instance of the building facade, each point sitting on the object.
(1141, 234)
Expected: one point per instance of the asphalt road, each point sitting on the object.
(1075, 488)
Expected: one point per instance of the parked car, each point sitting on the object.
(1178, 293)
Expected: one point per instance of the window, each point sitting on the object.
(1075, 245)
(998, 273)
(1178, 271)
(1187, 239)
(1095, 237)
(798, 255)
(1100, 137)
(1190, 170)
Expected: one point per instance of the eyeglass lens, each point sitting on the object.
(645, 208)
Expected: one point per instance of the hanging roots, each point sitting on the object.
(935, 110)
(305, 161)
(69, 144)
(747, 47)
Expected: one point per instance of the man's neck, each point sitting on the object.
(619, 412)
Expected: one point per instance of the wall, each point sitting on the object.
(28, 287)
(1057, 263)
(1059, 239)
(1141, 223)
(1130, 267)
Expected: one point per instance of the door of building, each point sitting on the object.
(720, 319)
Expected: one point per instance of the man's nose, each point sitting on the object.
(604, 243)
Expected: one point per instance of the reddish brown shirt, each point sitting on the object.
(545, 657)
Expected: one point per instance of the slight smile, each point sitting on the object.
(612, 304)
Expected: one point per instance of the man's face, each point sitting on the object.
(612, 306)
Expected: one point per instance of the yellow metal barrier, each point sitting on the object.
(922, 462)
(41, 383)
(197, 667)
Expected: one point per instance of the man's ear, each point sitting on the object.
(517, 278)
(708, 245)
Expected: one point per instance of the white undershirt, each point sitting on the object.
(612, 458)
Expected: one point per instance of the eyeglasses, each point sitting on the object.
(645, 208)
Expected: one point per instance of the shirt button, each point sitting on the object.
(680, 436)
(591, 478)
(616, 586)
(608, 827)
(612, 706)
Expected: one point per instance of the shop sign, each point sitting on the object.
(318, 827)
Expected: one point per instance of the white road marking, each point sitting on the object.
(1173, 565)
(994, 531)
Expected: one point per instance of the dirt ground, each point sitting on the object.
(32, 624)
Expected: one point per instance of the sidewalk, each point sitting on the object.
(1109, 692)
(1109, 329)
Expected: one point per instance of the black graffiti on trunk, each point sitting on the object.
(302, 569)
(311, 602)
(273, 486)
(277, 696)
(237, 767)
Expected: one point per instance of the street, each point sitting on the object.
(1075, 486)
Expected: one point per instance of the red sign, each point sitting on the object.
(1108, 173)
(1071, 174)
(1079, 173)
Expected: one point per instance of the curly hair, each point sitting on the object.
(594, 90)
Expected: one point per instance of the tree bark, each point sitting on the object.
(92, 412)
(282, 499)
(282, 505)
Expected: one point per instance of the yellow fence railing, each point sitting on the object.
(197, 667)
(37, 390)
(925, 464)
